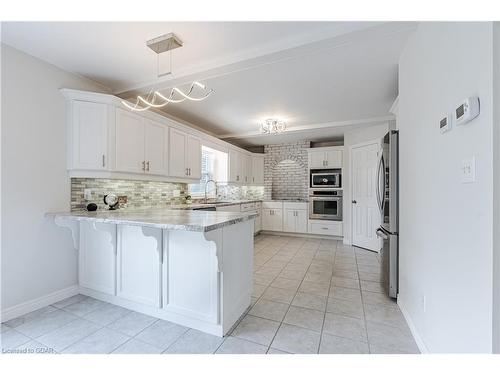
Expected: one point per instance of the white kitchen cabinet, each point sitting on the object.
(139, 263)
(247, 169)
(234, 166)
(185, 155)
(295, 217)
(140, 144)
(272, 216)
(156, 143)
(97, 257)
(88, 135)
(193, 157)
(325, 227)
(129, 142)
(325, 157)
(257, 170)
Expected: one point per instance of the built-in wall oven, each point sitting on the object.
(326, 178)
(325, 204)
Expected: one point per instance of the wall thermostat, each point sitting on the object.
(467, 110)
(445, 124)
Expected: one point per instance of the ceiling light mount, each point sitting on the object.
(155, 99)
(273, 126)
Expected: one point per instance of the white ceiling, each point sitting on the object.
(307, 73)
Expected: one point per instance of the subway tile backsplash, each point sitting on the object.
(139, 193)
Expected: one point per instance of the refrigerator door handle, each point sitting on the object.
(379, 202)
(380, 233)
(382, 201)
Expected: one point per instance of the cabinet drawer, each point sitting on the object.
(295, 205)
(273, 204)
(247, 207)
(325, 228)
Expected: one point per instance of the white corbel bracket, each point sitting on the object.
(157, 235)
(109, 229)
(215, 236)
(73, 226)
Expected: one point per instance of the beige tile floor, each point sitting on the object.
(309, 296)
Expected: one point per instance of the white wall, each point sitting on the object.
(446, 227)
(351, 138)
(496, 170)
(37, 257)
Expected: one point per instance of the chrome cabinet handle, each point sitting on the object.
(186, 172)
(189, 171)
(103, 160)
(354, 202)
(144, 165)
(147, 166)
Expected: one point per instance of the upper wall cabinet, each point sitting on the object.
(88, 135)
(257, 169)
(141, 144)
(234, 166)
(325, 157)
(185, 155)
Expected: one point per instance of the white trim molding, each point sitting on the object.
(413, 329)
(38, 303)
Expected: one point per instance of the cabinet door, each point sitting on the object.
(267, 222)
(193, 157)
(129, 142)
(277, 219)
(301, 221)
(177, 153)
(90, 135)
(258, 222)
(257, 170)
(289, 221)
(234, 166)
(317, 159)
(333, 159)
(242, 170)
(248, 169)
(155, 148)
(97, 257)
(138, 266)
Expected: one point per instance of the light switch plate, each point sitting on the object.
(468, 170)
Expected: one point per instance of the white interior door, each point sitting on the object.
(365, 212)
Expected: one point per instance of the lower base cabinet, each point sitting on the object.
(138, 264)
(326, 228)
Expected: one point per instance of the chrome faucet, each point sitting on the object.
(206, 185)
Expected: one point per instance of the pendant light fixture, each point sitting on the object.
(155, 99)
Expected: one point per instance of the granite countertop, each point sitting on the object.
(191, 206)
(163, 218)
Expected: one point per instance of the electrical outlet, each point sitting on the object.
(468, 170)
(122, 199)
(87, 194)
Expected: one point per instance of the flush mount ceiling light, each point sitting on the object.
(273, 126)
(154, 98)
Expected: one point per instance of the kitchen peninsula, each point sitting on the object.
(192, 268)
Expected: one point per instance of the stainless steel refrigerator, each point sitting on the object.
(388, 203)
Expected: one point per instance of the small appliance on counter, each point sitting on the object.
(111, 200)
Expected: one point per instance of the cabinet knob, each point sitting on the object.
(354, 202)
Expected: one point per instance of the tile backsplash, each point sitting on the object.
(147, 193)
(139, 193)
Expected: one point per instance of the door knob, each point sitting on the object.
(354, 202)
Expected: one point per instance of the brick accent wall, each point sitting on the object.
(285, 171)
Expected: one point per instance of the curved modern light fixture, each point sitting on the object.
(155, 99)
(273, 126)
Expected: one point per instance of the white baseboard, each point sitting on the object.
(418, 339)
(38, 303)
(306, 235)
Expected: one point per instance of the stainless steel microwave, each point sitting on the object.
(330, 179)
